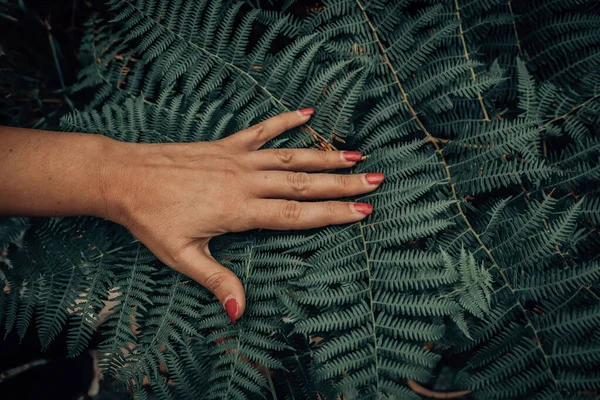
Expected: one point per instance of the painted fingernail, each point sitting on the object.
(306, 111)
(374, 178)
(231, 306)
(363, 208)
(352, 156)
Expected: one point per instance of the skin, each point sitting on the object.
(175, 197)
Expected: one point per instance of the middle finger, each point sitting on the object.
(303, 186)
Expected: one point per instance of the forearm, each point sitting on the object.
(53, 173)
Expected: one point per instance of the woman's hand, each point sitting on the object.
(175, 197)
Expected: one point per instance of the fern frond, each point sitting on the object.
(132, 298)
(480, 255)
(558, 282)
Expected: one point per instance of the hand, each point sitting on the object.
(175, 197)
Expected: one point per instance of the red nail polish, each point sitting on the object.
(306, 111)
(374, 178)
(363, 208)
(352, 156)
(231, 306)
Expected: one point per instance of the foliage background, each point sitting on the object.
(502, 94)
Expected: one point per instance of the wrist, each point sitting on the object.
(111, 178)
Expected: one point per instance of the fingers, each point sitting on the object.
(303, 159)
(286, 214)
(303, 186)
(197, 263)
(256, 136)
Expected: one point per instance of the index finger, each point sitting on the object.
(258, 135)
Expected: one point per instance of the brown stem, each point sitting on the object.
(514, 24)
(423, 391)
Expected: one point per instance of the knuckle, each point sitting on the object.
(259, 130)
(245, 219)
(291, 211)
(323, 156)
(284, 155)
(214, 281)
(299, 181)
(176, 258)
(331, 208)
(343, 181)
(230, 173)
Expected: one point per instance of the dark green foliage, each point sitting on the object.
(483, 246)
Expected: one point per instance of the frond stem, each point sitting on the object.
(371, 302)
(466, 52)
(514, 24)
(563, 116)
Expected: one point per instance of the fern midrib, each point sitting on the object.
(30, 305)
(568, 180)
(560, 283)
(59, 307)
(574, 352)
(47, 302)
(573, 40)
(371, 302)
(431, 139)
(571, 322)
(579, 154)
(114, 343)
(572, 110)
(241, 72)
(562, 25)
(497, 369)
(571, 67)
(466, 54)
(88, 308)
(389, 64)
(547, 4)
(552, 237)
(500, 135)
(447, 74)
(515, 31)
(12, 311)
(307, 381)
(514, 174)
(161, 326)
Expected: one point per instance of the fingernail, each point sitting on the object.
(352, 156)
(374, 178)
(306, 111)
(363, 208)
(231, 306)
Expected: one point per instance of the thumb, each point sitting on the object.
(197, 263)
